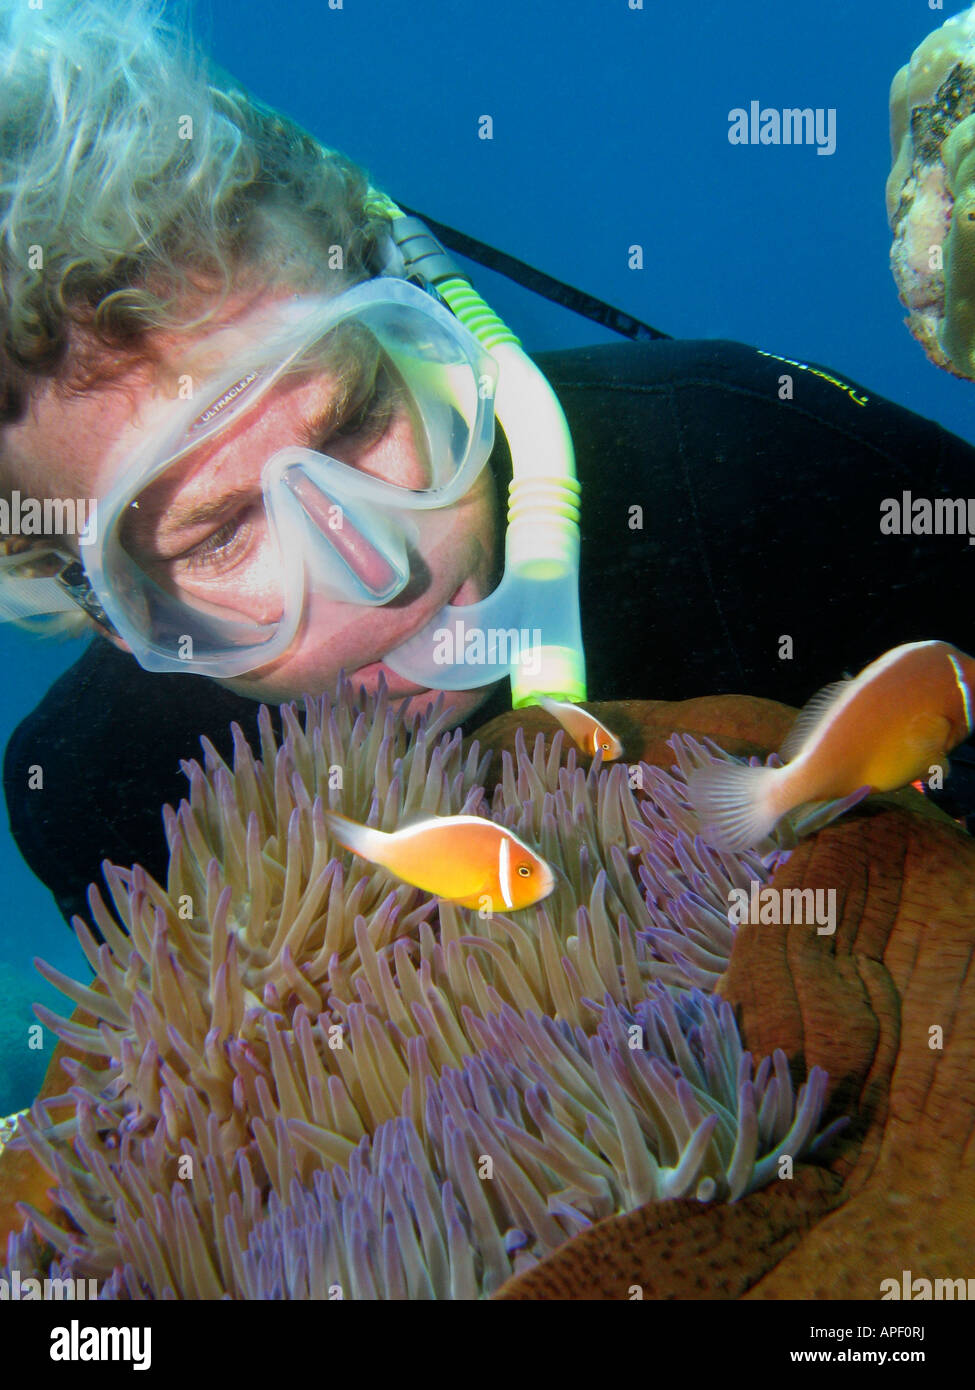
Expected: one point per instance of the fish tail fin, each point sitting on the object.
(737, 805)
(360, 839)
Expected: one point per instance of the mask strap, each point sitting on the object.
(26, 596)
(32, 598)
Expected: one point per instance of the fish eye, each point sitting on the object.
(524, 870)
(604, 747)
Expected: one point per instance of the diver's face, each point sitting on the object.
(202, 527)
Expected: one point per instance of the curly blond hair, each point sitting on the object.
(138, 185)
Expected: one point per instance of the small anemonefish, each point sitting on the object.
(881, 729)
(590, 735)
(463, 858)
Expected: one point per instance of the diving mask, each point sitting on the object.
(206, 546)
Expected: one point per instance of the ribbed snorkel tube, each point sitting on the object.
(540, 588)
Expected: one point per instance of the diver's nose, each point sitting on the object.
(378, 576)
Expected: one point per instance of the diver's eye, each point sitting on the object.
(524, 871)
(365, 416)
(225, 547)
(369, 419)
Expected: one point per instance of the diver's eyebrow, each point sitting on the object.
(176, 518)
(164, 533)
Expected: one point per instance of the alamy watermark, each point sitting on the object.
(783, 907)
(460, 645)
(923, 1289)
(49, 516)
(77, 1343)
(793, 125)
(18, 1290)
(908, 515)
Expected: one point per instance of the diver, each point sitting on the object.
(281, 394)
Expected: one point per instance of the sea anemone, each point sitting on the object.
(305, 1076)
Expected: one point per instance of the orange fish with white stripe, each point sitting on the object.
(463, 858)
(589, 733)
(880, 730)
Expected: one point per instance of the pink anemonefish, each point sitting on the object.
(463, 858)
(590, 735)
(881, 729)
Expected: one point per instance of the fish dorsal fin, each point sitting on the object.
(413, 818)
(429, 820)
(811, 716)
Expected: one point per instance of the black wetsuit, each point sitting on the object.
(760, 521)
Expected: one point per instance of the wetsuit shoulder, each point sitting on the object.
(731, 500)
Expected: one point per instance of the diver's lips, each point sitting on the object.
(399, 686)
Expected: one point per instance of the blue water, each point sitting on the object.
(610, 129)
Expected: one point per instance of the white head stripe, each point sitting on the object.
(504, 871)
(963, 691)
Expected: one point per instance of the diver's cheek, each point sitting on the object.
(311, 666)
(345, 637)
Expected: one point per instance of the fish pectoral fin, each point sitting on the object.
(476, 899)
(930, 734)
(922, 742)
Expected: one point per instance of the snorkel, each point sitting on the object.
(537, 601)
